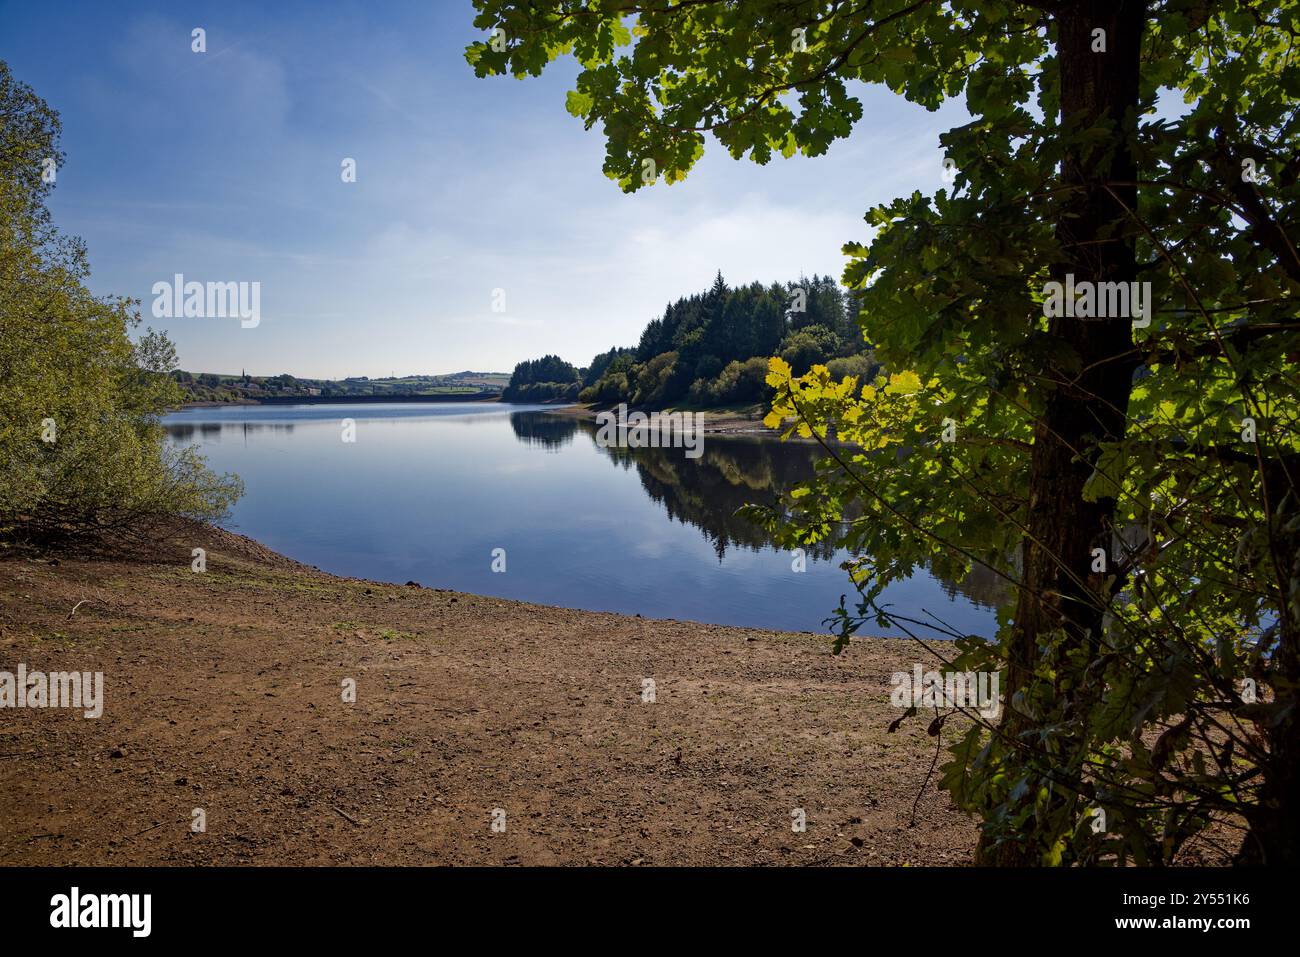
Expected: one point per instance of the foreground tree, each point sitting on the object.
(82, 455)
(1130, 472)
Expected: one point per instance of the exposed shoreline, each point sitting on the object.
(715, 421)
(223, 692)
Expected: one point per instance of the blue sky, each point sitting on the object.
(225, 166)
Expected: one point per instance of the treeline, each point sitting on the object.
(244, 388)
(543, 380)
(712, 349)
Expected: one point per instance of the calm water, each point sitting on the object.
(427, 492)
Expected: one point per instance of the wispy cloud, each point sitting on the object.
(226, 166)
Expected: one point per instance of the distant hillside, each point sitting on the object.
(215, 387)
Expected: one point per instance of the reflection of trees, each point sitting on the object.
(543, 428)
(981, 585)
(739, 470)
(706, 491)
(184, 432)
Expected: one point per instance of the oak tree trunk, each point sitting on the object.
(1088, 401)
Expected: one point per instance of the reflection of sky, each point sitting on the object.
(427, 492)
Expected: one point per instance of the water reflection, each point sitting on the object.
(981, 585)
(212, 431)
(707, 492)
(430, 492)
(545, 429)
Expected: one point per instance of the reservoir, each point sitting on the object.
(443, 493)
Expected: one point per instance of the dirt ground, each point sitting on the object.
(224, 692)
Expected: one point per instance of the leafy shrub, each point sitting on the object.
(653, 379)
(809, 346)
(82, 453)
(862, 365)
(738, 382)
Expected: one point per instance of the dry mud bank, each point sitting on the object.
(223, 692)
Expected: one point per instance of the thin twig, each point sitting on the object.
(346, 816)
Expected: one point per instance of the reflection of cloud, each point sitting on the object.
(517, 468)
(650, 548)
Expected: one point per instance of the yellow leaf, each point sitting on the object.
(778, 371)
(904, 383)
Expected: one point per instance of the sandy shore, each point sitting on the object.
(223, 693)
(720, 421)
